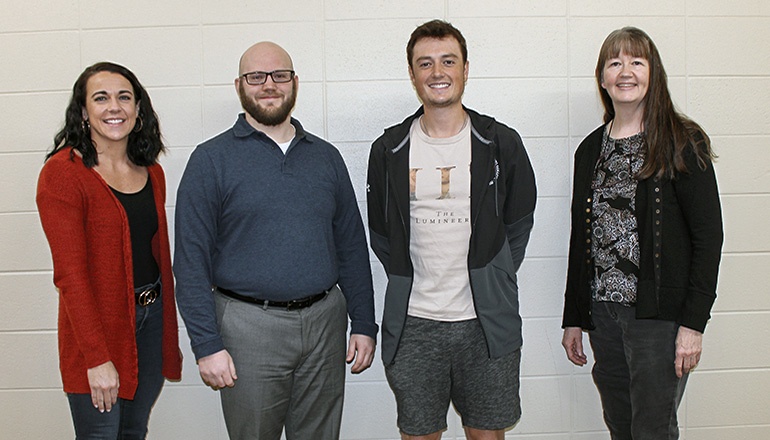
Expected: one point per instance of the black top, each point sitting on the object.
(143, 223)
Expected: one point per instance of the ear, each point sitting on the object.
(84, 113)
(465, 71)
(411, 75)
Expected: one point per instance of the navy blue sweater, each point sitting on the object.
(272, 226)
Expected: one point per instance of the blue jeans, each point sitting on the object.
(128, 418)
(634, 373)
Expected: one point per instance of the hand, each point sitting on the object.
(572, 341)
(689, 345)
(104, 383)
(218, 370)
(360, 349)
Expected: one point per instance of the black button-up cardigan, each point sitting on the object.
(680, 239)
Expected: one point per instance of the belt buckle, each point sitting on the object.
(147, 297)
(294, 304)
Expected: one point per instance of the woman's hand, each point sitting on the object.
(104, 383)
(572, 341)
(689, 345)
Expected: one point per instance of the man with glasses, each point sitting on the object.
(451, 197)
(270, 258)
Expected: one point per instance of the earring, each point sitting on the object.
(138, 128)
(85, 126)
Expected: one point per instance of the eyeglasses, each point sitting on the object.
(279, 76)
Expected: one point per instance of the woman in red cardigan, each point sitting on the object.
(101, 197)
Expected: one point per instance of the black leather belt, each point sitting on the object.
(147, 294)
(288, 305)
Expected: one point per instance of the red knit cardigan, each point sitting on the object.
(90, 240)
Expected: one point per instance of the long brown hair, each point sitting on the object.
(144, 143)
(669, 135)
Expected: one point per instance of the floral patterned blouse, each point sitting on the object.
(615, 240)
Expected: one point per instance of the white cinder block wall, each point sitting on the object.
(531, 66)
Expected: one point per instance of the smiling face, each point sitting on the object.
(438, 73)
(270, 103)
(110, 109)
(626, 79)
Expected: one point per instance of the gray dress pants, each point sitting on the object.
(290, 366)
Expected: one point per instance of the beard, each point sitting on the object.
(270, 116)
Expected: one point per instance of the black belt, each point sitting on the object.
(293, 304)
(147, 294)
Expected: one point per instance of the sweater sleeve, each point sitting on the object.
(698, 198)
(355, 275)
(197, 213)
(62, 208)
(577, 298)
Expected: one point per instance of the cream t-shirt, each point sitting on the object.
(440, 216)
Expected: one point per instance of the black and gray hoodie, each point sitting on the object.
(503, 198)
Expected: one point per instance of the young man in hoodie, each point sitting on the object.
(451, 195)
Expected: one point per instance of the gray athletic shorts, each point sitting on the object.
(438, 362)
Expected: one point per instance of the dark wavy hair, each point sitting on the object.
(435, 29)
(669, 135)
(144, 146)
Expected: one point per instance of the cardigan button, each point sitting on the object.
(657, 200)
(588, 200)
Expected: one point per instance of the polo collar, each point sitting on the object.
(243, 129)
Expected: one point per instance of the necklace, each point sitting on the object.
(425, 129)
(609, 131)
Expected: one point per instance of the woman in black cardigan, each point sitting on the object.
(645, 243)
